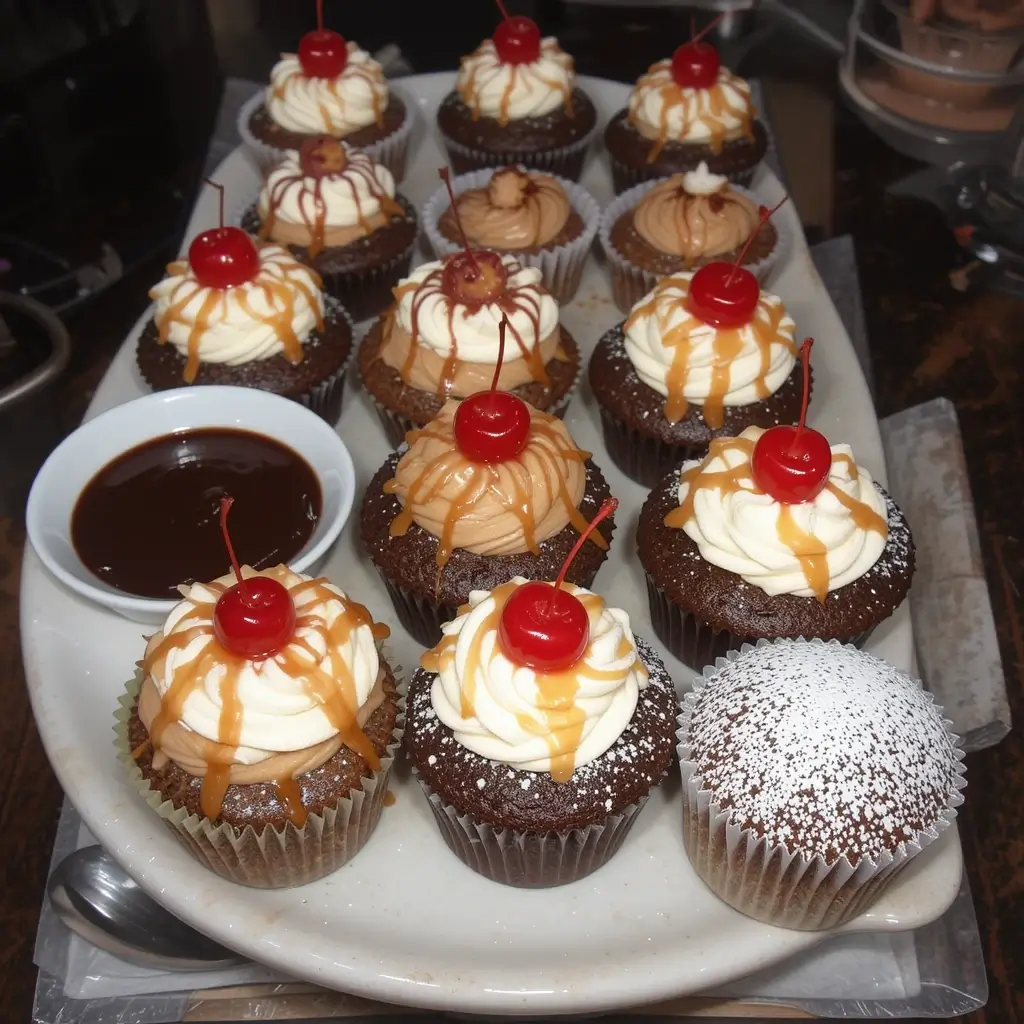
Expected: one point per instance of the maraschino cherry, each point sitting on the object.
(695, 64)
(321, 156)
(543, 626)
(472, 277)
(792, 463)
(516, 39)
(254, 618)
(223, 257)
(492, 426)
(322, 53)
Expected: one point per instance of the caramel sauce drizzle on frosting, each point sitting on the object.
(370, 72)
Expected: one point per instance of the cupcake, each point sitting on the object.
(545, 222)
(439, 521)
(534, 774)
(337, 211)
(770, 535)
(516, 102)
(659, 228)
(684, 112)
(813, 774)
(704, 355)
(265, 750)
(247, 315)
(330, 87)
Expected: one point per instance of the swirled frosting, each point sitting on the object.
(338, 106)
(681, 216)
(806, 549)
(495, 508)
(532, 721)
(665, 111)
(688, 360)
(509, 92)
(273, 314)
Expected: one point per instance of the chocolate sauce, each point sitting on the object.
(149, 520)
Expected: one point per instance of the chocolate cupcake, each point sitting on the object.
(535, 777)
(667, 382)
(813, 774)
(727, 563)
(545, 222)
(684, 112)
(440, 339)
(662, 227)
(438, 523)
(269, 770)
(516, 102)
(337, 211)
(272, 330)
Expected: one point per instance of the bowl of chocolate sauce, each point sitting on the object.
(127, 508)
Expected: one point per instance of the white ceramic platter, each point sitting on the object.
(406, 922)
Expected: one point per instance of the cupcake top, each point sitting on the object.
(493, 508)
(235, 720)
(327, 196)
(535, 721)
(505, 91)
(807, 549)
(353, 99)
(271, 314)
(440, 343)
(695, 215)
(823, 749)
(687, 360)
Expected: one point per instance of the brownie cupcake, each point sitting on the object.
(516, 102)
(667, 382)
(728, 563)
(270, 770)
(684, 112)
(662, 227)
(272, 330)
(546, 222)
(438, 522)
(329, 87)
(535, 777)
(813, 774)
(440, 339)
(337, 210)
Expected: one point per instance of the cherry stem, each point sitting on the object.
(608, 506)
(765, 217)
(220, 192)
(319, 15)
(447, 179)
(501, 8)
(502, 325)
(225, 508)
(805, 358)
(707, 28)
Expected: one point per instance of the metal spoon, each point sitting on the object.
(97, 900)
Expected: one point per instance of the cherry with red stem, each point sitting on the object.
(473, 277)
(254, 618)
(544, 627)
(695, 64)
(792, 463)
(322, 53)
(223, 257)
(517, 38)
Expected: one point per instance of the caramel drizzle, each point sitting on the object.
(810, 552)
(562, 720)
(369, 72)
(687, 206)
(280, 296)
(333, 689)
(726, 347)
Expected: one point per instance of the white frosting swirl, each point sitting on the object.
(279, 711)
(492, 88)
(352, 100)
(440, 321)
(739, 530)
(701, 182)
(503, 695)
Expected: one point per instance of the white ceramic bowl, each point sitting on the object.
(98, 441)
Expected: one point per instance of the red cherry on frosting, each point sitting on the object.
(516, 39)
(321, 156)
(695, 65)
(254, 618)
(223, 257)
(322, 53)
(792, 463)
(544, 627)
(723, 295)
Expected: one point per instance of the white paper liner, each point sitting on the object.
(561, 267)
(272, 859)
(631, 283)
(767, 882)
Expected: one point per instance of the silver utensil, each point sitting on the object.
(98, 901)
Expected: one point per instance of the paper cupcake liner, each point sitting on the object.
(630, 283)
(625, 176)
(643, 458)
(274, 858)
(766, 881)
(325, 399)
(561, 267)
